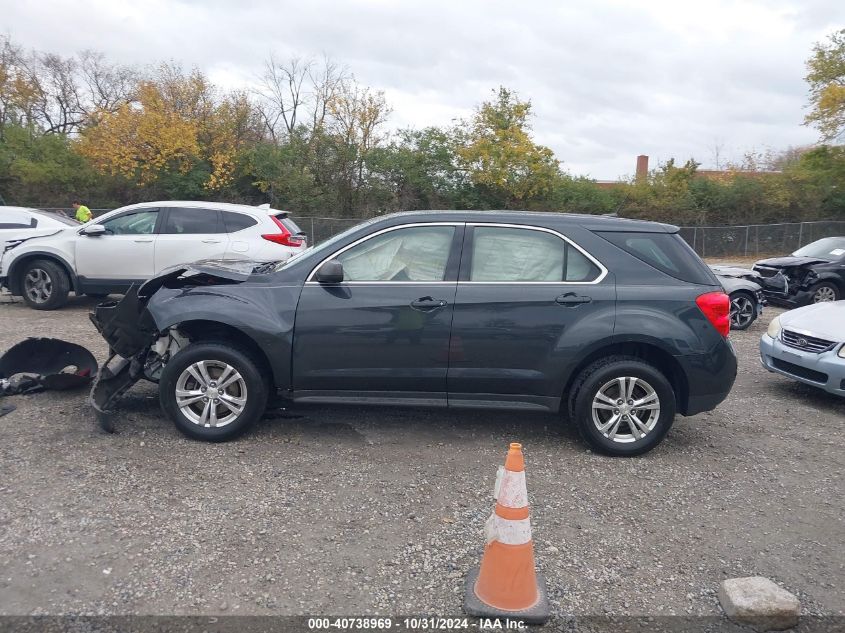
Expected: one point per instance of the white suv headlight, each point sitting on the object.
(841, 353)
(774, 328)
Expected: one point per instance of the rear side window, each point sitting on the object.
(667, 252)
(524, 255)
(192, 221)
(237, 221)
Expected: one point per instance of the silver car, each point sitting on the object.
(808, 344)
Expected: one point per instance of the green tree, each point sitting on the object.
(826, 76)
(500, 157)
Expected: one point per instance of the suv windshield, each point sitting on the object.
(828, 248)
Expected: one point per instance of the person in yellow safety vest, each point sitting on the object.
(83, 213)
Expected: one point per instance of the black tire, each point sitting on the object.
(598, 375)
(44, 285)
(829, 290)
(742, 321)
(220, 353)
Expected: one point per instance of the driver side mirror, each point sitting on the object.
(331, 272)
(94, 230)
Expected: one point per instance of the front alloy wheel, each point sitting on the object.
(824, 293)
(214, 390)
(625, 409)
(38, 285)
(211, 393)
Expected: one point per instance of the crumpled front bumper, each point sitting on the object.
(129, 330)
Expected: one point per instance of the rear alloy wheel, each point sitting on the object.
(623, 406)
(824, 292)
(212, 391)
(44, 285)
(743, 311)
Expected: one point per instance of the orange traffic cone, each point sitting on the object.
(506, 585)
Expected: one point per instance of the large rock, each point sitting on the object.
(759, 603)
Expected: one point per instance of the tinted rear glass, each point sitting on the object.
(191, 221)
(237, 221)
(667, 252)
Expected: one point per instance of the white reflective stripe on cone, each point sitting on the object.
(507, 531)
(512, 490)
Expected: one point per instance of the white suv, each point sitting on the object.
(132, 244)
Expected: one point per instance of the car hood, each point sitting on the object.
(790, 261)
(222, 270)
(824, 320)
(729, 270)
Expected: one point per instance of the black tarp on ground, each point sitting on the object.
(45, 363)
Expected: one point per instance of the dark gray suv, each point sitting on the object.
(615, 324)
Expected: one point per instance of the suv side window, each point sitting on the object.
(524, 255)
(237, 221)
(192, 221)
(140, 222)
(416, 253)
(667, 252)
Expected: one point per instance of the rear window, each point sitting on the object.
(667, 252)
(290, 225)
(237, 221)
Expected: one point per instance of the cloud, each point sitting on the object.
(608, 80)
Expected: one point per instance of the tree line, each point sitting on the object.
(310, 138)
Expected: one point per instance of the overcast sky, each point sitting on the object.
(608, 79)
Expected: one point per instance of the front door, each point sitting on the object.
(528, 300)
(124, 254)
(383, 333)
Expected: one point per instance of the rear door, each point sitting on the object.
(189, 234)
(528, 300)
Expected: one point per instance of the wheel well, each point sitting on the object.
(663, 361)
(215, 331)
(14, 281)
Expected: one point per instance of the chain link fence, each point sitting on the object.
(750, 240)
(758, 239)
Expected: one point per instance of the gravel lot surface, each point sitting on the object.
(365, 510)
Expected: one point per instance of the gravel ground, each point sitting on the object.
(363, 510)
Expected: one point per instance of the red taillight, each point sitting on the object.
(717, 308)
(285, 237)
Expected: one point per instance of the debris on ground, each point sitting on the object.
(6, 408)
(39, 364)
(759, 603)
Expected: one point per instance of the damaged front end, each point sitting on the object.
(788, 280)
(137, 349)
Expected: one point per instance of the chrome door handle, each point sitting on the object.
(143, 241)
(211, 241)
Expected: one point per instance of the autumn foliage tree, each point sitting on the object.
(498, 154)
(826, 77)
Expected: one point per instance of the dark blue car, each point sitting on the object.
(615, 324)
